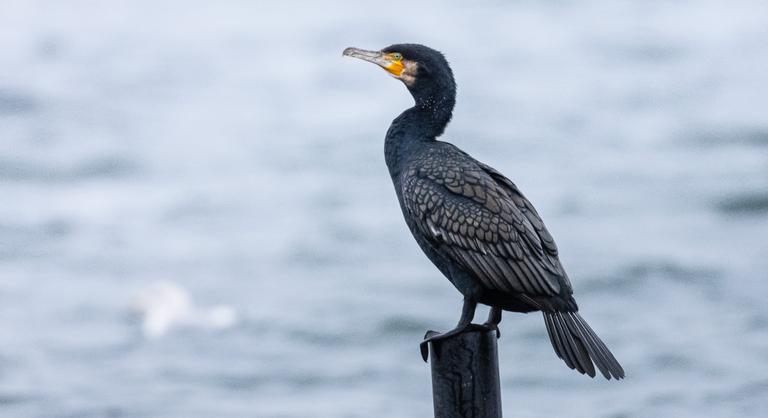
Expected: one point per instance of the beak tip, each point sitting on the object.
(376, 57)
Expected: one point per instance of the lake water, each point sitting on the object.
(227, 151)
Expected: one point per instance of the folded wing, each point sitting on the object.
(485, 223)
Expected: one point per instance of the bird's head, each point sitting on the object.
(423, 70)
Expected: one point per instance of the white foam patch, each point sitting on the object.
(164, 306)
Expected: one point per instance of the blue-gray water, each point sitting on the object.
(228, 148)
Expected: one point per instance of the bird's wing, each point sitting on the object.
(527, 209)
(484, 224)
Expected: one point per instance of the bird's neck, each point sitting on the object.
(415, 128)
(434, 113)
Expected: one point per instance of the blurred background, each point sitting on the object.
(197, 221)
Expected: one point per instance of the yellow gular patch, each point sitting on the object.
(395, 68)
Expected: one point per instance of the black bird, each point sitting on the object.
(473, 223)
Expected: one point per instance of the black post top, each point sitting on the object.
(465, 375)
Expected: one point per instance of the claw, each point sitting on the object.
(424, 345)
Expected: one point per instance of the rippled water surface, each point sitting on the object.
(227, 150)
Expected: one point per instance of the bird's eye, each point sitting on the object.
(397, 56)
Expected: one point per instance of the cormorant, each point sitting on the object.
(472, 222)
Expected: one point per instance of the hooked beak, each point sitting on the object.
(379, 58)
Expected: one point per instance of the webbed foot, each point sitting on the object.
(432, 336)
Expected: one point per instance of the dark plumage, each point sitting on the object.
(473, 223)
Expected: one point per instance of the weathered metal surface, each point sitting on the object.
(465, 375)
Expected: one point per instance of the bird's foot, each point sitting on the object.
(494, 326)
(432, 336)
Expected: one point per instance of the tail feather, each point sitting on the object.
(607, 356)
(557, 343)
(577, 344)
(575, 347)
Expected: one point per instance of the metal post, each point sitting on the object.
(465, 375)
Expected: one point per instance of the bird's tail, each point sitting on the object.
(579, 346)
